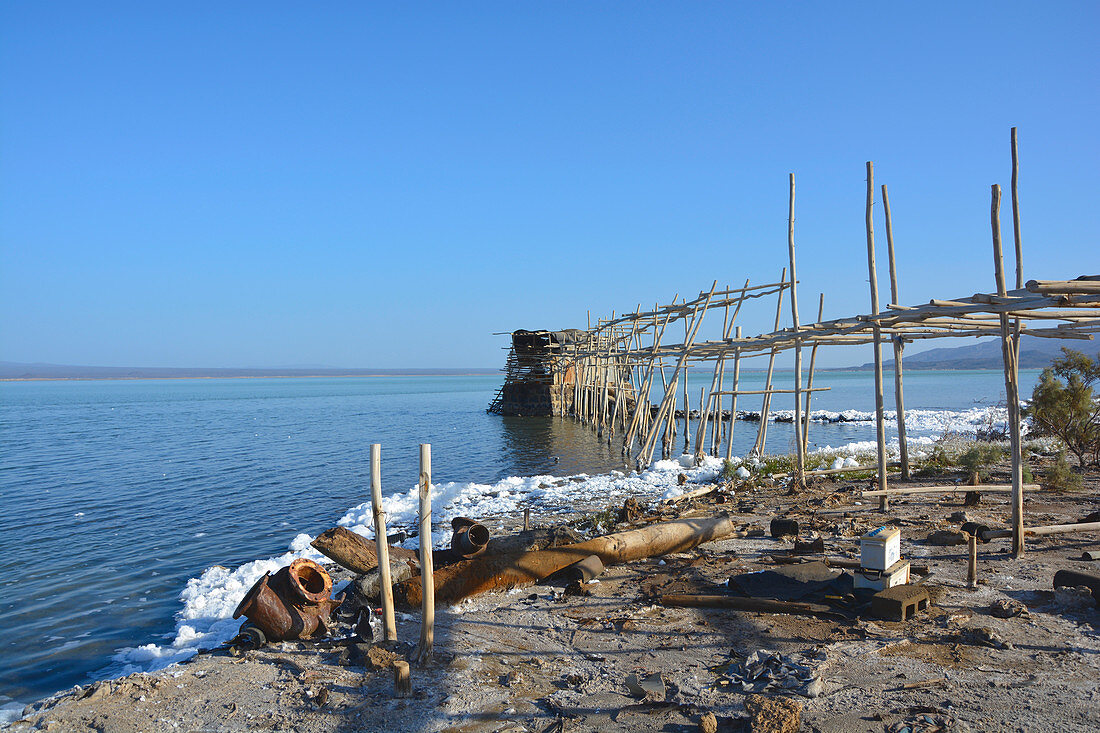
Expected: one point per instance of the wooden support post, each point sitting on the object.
(389, 623)
(427, 605)
(1018, 241)
(733, 397)
(899, 342)
(402, 685)
(1016, 213)
(687, 405)
(701, 426)
(765, 407)
(716, 402)
(641, 417)
(704, 414)
(972, 561)
(727, 324)
(880, 425)
(810, 382)
(670, 393)
(1012, 392)
(526, 519)
(800, 470)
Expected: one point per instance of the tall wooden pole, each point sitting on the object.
(1016, 213)
(1018, 241)
(382, 551)
(1012, 394)
(880, 424)
(427, 573)
(687, 405)
(765, 407)
(733, 397)
(800, 471)
(899, 342)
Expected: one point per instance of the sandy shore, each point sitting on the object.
(533, 659)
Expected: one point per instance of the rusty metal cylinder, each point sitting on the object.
(469, 540)
(293, 603)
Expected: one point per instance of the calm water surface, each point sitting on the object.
(114, 493)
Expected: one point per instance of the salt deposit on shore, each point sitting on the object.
(208, 601)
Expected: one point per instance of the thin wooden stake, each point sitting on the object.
(402, 685)
(800, 471)
(972, 561)
(899, 343)
(733, 397)
(765, 407)
(427, 572)
(382, 551)
(880, 425)
(1012, 394)
(687, 405)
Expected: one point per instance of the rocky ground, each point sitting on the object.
(614, 658)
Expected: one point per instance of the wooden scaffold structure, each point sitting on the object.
(604, 375)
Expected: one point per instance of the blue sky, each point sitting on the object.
(385, 185)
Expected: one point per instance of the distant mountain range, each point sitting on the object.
(1035, 353)
(17, 370)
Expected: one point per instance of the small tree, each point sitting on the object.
(1063, 405)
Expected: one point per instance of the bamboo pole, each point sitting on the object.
(880, 425)
(427, 605)
(810, 382)
(899, 343)
(687, 405)
(950, 489)
(1011, 385)
(389, 623)
(972, 561)
(670, 392)
(733, 397)
(727, 324)
(800, 477)
(1044, 531)
(716, 402)
(765, 407)
(1016, 236)
(641, 418)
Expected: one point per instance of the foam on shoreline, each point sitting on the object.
(209, 600)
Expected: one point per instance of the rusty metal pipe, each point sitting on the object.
(293, 603)
(470, 540)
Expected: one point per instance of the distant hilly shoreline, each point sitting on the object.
(1035, 353)
(17, 371)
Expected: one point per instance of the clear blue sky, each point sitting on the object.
(384, 185)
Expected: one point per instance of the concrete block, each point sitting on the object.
(899, 603)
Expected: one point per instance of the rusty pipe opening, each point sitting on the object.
(310, 581)
(470, 539)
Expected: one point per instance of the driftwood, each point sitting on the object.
(959, 488)
(489, 572)
(760, 605)
(1043, 531)
(351, 551)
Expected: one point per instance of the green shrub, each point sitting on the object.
(1063, 405)
(978, 458)
(1060, 476)
(729, 470)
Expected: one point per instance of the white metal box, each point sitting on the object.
(896, 574)
(880, 548)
